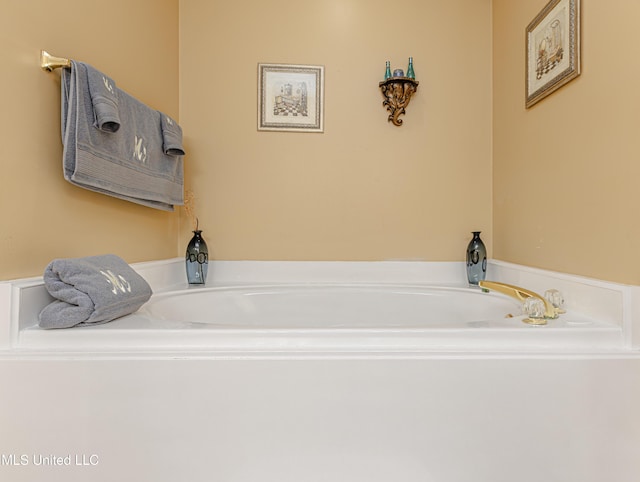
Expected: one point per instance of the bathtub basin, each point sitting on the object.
(316, 307)
(331, 318)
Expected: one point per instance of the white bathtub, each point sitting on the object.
(320, 372)
(334, 308)
(330, 318)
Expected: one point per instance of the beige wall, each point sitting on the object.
(44, 217)
(364, 189)
(566, 171)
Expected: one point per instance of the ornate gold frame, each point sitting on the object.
(552, 49)
(290, 98)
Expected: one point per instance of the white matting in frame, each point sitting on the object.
(290, 98)
(553, 49)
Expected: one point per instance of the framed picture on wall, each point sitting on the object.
(290, 98)
(553, 49)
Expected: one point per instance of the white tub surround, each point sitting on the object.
(333, 308)
(174, 400)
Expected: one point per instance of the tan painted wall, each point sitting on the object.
(566, 171)
(44, 217)
(364, 189)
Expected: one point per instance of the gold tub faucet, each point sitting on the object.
(520, 294)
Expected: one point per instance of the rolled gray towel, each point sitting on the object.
(91, 290)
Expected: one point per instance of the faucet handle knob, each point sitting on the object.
(555, 298)
(534, 308)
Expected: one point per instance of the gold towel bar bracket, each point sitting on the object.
(48, 62)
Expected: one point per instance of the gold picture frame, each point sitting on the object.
(553, 49)
(290, 98)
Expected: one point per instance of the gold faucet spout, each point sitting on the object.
(520, 294)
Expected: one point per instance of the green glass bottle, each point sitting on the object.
(387, 72)
(410, 73)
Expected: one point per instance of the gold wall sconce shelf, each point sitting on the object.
(397, 92)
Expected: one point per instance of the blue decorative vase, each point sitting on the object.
(197, 259)
(476, 259)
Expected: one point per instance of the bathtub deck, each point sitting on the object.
(140, 334)
(602, 325)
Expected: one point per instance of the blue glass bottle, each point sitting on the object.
(197, 259)
(476, 259)
(387, 72)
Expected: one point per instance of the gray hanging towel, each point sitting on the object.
(91, 290)
(115, 144)
(172, 136)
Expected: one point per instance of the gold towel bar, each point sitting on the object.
(48, 62)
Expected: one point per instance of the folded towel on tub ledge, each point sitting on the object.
(91, 290)
(116, 145)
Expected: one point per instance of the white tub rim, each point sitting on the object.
(163, 274)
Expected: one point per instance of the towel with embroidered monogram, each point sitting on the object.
(172, 136)
(104, 100)
(91, 290)
(114, 144)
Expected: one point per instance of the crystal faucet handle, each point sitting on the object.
(555, 298)
(534, 309)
